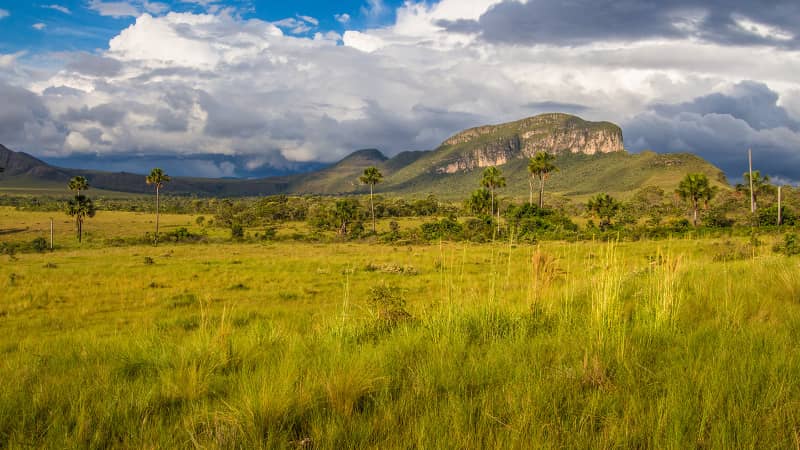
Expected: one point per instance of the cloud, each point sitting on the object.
(4, 13)
(24, 119)
(736, 22)
(216, 83)
(721, 127)
(120, 9)
(343, 18)
(59, 8)
(108, 115)
(39, 26)
(309, 19)
(551, 106)
(95, 65)
(9, 60)
(299, 25)
(374, 10)
(113, 9)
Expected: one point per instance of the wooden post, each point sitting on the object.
(752, 197)
(780, 213)
(51, 233)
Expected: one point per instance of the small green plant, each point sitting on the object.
(389, 305)
(790, 245)
(237, 231)
(39, 244)
(148, 261)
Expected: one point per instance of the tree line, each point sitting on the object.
(482, 212)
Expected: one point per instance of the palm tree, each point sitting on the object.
(80, 208)
(157, 178)
(605, 207)
(78, 184)
(372, 176)
(493, 178)
(695, 188)
(540, 166)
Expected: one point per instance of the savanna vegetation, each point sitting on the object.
(383, 322)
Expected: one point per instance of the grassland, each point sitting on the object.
(663, 344)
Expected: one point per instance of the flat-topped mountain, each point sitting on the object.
(590, 154)
(494, 145)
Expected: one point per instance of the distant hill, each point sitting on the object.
(590, 155)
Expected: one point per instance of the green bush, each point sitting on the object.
(447, 228)
(790, 245)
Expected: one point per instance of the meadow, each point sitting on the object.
(675, 343)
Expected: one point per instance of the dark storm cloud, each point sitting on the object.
(100, 66)
(575, 22)
(229, 120)
(752, 102)
(25, 121)
(191, 165)
(170, 121)
(107, 115)
(721, 127)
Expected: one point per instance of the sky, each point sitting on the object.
(247, 88)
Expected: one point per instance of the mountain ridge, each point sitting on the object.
(592, 149)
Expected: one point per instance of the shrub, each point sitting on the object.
(790, 245)
(447, 228)
(39, 244)
(389, 304)
(181, 235)
(269, 233)
(237, 231)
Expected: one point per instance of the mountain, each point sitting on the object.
(495, 145)
(340, 178)
(590, 155)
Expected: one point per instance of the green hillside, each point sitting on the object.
(580, 176)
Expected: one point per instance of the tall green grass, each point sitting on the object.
(656, 345)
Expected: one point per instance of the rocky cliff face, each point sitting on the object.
(554, 133)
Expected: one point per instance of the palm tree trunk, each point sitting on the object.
(157, 213)
(694, 219)
(78, 227)
(541, 193)
(491, 212)
(530, 191)
(372, 207)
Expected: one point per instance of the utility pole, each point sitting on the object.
(780, 213)
(752, 198)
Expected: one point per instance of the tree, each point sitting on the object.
(78, 184)
(760, 185)
(479, 202)
(345, 211)
(80, 208)
(540, 167)
(157, 178)
(695, 188)
(372, 176)
(604, 207)
(492, 179)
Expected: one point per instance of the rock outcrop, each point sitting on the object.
(554, 133)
